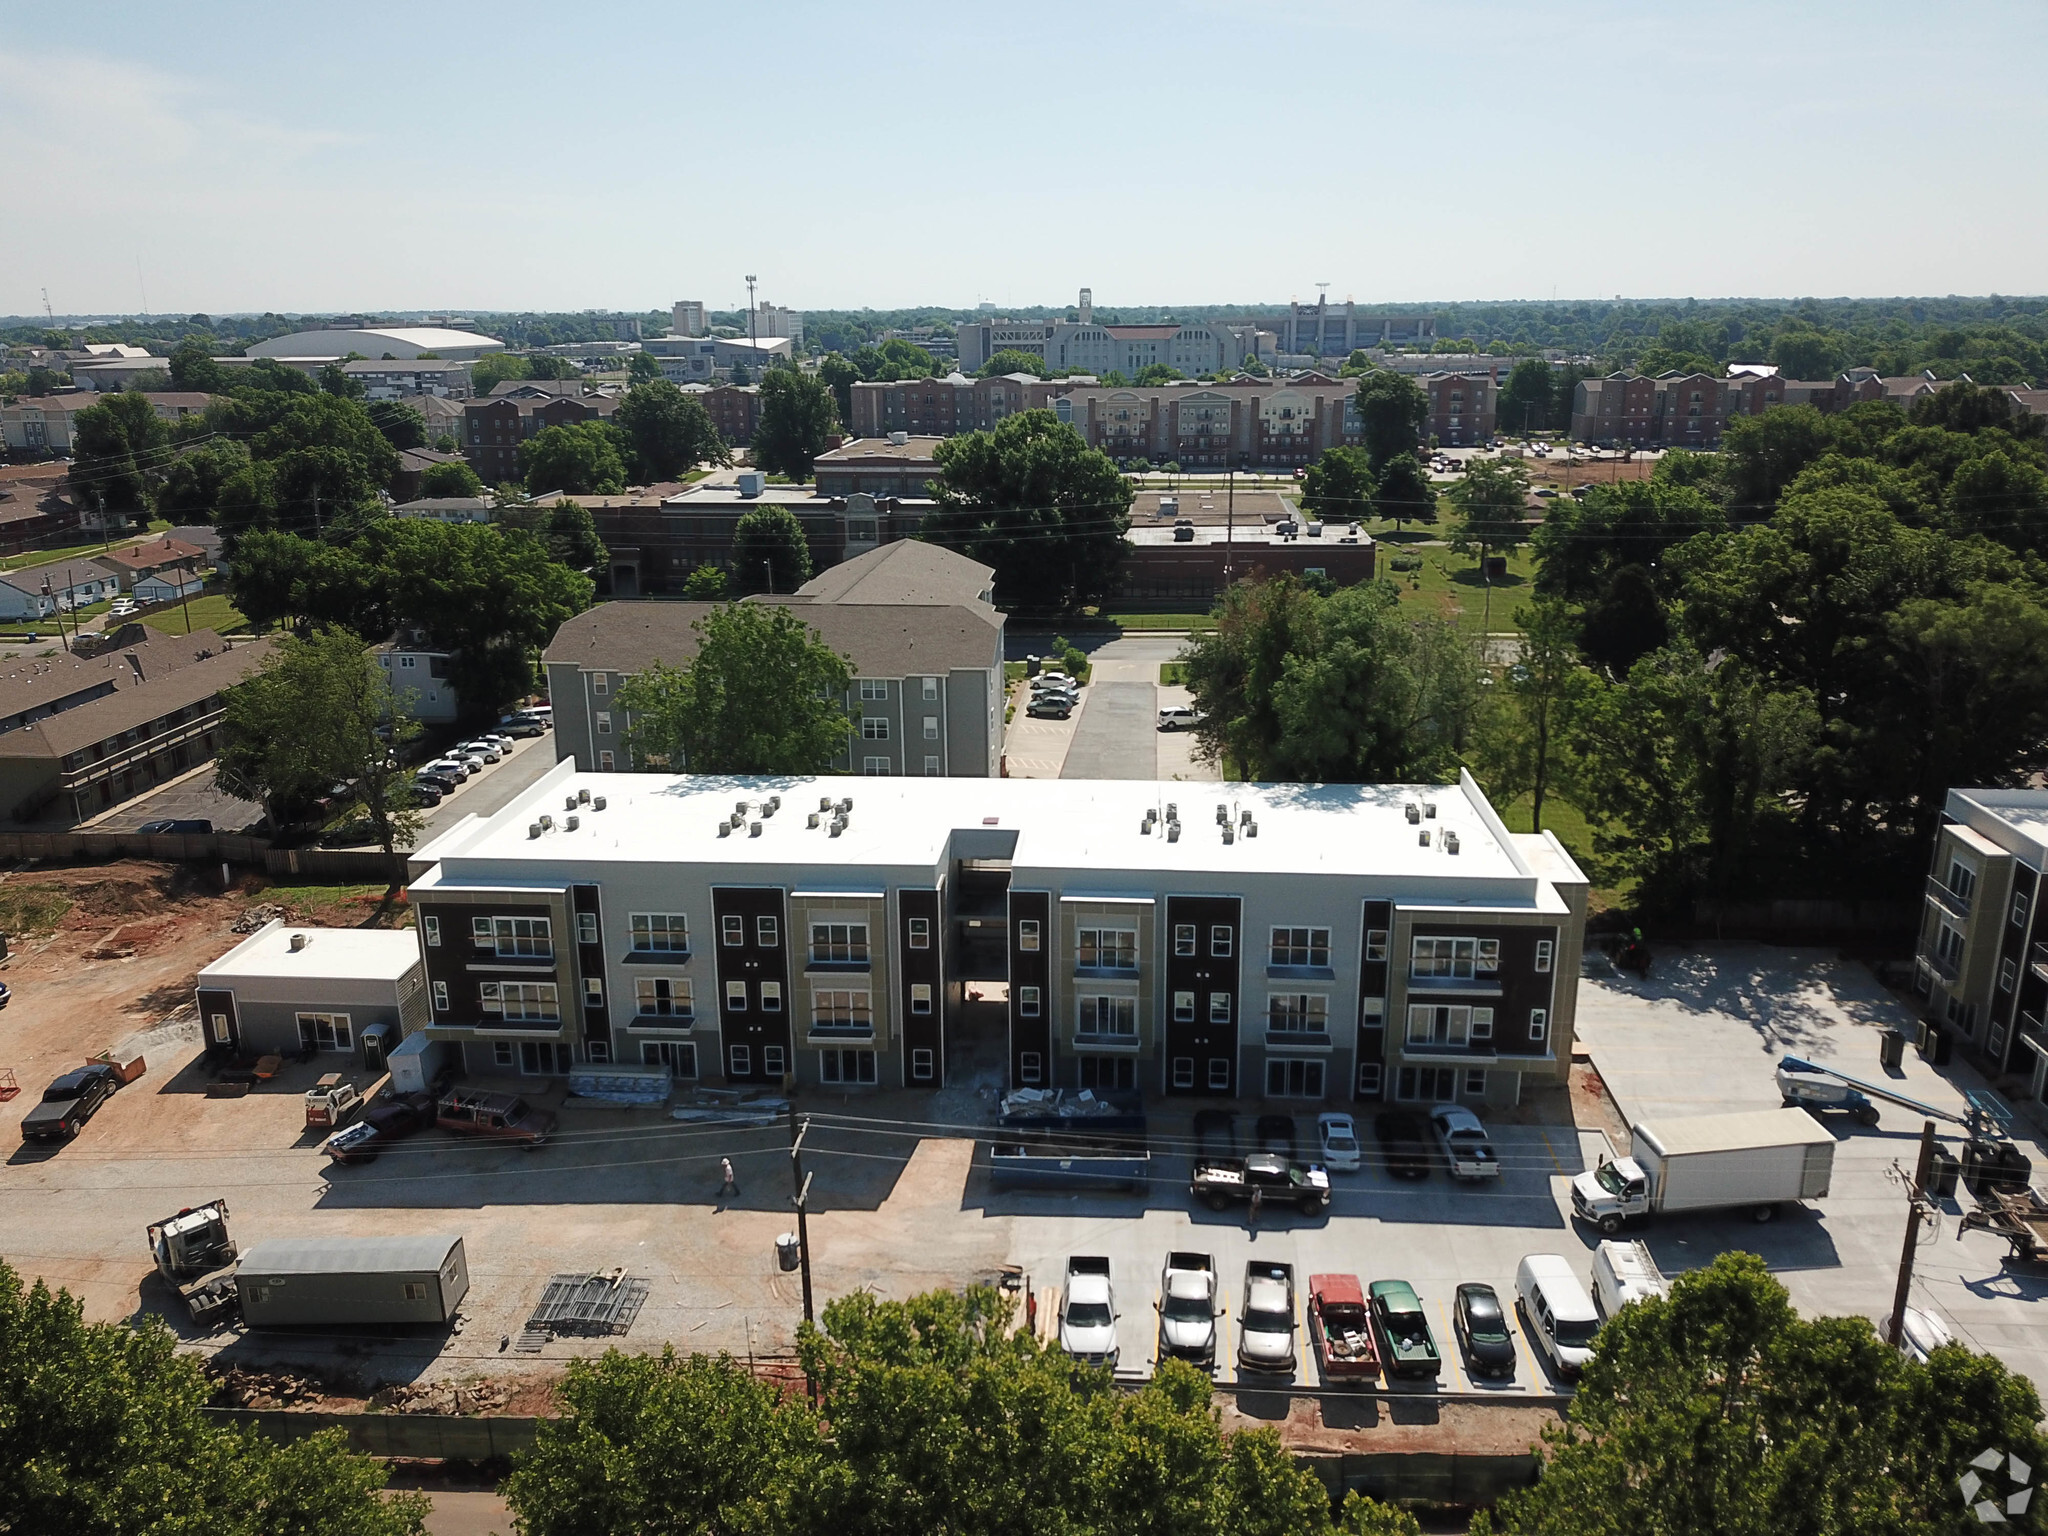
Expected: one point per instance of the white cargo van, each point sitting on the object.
(1556, 1311)
(1625, 1272)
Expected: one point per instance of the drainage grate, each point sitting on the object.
(591, 1305)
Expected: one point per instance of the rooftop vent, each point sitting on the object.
(742, 808)
(548, 822)
(1422, 837)
(1414, 814)
(299, 941)
(1173, 831)
(571, 823)
(825, 803)
(846, 807)
(838, 826)
(533, 829)
(1251, 827)
(1173, 810)
(737, 818)
(1244, 818)
(583, 796)
(1429, 809)
(899, 438)
(1145, 827)
(774, 804)
(1222, 815)
(569, 803)
(1229, 834)
(725, 829)
(813, 821)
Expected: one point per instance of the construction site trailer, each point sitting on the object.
(296, 1282)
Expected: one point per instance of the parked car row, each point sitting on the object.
(445, 774)
(392, 1117)
(1409, 1142)
(1054, 696)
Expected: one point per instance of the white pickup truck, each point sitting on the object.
(1088, 1311)
(1464, 1141)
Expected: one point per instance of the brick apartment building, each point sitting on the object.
(1461, 408)
(494, 430)
(943, 407)
(655, 541)
(1254, 423)
(735, 409)
(1692, 410)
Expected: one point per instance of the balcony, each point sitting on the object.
(1104, 1040)
(1955, 903)
(1949, 967)
(683, 1020)
(1486, 984)
(2037, 960)
(1285, 1037)
(833, 1032)
(655, 956)
(2032, 1034)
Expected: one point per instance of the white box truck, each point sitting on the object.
(1758, 1158)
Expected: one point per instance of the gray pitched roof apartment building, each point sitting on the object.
(914, 621)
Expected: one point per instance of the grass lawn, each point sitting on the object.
(1173, 674)
(1160, 620)
(1450, 585)
(1013, 671)
(63, 552)
(335, 906)
(210, 610)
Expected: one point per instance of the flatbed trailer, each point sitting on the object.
(2021, 1219)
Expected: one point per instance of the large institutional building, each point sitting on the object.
(1312, 943)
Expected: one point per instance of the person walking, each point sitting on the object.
(1258, 1196)
(731, 1187)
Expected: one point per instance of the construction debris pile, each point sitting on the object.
(1058, 1104)
(447, 1398)
(257, 916)
(238, 1388)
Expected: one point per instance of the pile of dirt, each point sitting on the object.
(257, 916)
(238, 1388)
(118, 897)
(444, 1397)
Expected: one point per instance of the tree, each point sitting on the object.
(1405, 492)
(578, 458)
(642, 368)
(1722, 1410)
(541, 366)
(193, 368)
(797, 419)
(116, 448)
(769, 551)
(1761, 455)
(1011, 360)
(1251, 365)
(402, 425)
(1034, 501)
(1626, 623)
(1521, 748)
(572, 536)
(707, 584)
(1156, 373)
(487, 373)
(762, 695)
(1360, 361)
(739, 373)
(1525, 399)
(669, 432)
(839, 376)
(103, 1433)
(1493, 507)
(1583, 541)
(1392, 411)
(1803, 352)
(1339, 485)
(451, 479)
(194, 480)
(334, 380)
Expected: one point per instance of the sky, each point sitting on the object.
(365, 156)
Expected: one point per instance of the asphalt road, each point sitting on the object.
(1114, 736)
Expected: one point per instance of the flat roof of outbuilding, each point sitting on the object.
(330, 954)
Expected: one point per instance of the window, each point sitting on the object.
(931, 687)
(1027, 1002)
(771, 997)
(931, 727)
(735, 997)
(1948, 947)
(440, 1006)
(504, 1054)
(839, 943)
(664, 997)
(1027, 934)
(874, 728)
(523, 1000)
(600, 684)
(604, 722)
(1489, 957)
(605, 762)
(1375, 944)
(845, 1009)
(846, 1066)
(875, 767)
(1183, 1007)
(1439, 1024)
(1539, 1025)
(1426, 1084)
(1294, 1078)
(679, 1056)
(1962, 880)
(733, 930)
(1298, 1012)
(920, 997)
(1219, 1072)
(1369, 1079)
(1456, 959)
(931, 767)
(1219, 941)
(1183, 938)
(1108, 949)
(2019, 908)
(920, 933)
(1475, 1084)
(739, 1061)
(664, 933)
(920, 1065)
(1219, 1007)
(1300, 947)
(480, 930)
(593, 992)
(1372, 1013)
(1028, 1068)
(586, 927)
(2007, 975)
(524, 937)
(325, 1031)
(1545, 950)
(767, 932)
(1116, 1016)
(873, 688)
(415, 1290)
(1183, 1071)
(431, 927)
(1482, 1023)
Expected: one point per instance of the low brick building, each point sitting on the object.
(495, 429)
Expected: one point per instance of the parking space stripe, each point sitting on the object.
(1550, 1149)
(1448, 1348)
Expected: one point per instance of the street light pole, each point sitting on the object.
(801, 1182)
(1916, 1196)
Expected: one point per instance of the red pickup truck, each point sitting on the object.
(1340, 1330)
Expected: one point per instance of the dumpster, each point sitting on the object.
(1891, 1049)
(1943, 1170)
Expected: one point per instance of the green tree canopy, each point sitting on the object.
(1405, 492)
(1034, 501)
(769, 551)
(1493, 507)
(1156, 373)
(896, 359)
(194, 480)
(1582, 541)
(1526, 398)
(707, 584)
(452, 479)
(762, 695)
(839, 375)
(578, 458)
(1722, 1410)
(487, 373)
(1392, 411)
(1011, 360)
(797, 420)
(1522, 742)
(1339, 485)
(402, 425)
(117, 449)
(193, 368)
(102, 1433)
(642, 368)
(670, 433)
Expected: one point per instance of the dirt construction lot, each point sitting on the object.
(901, 1203)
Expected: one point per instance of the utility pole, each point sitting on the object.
(750, 309)
(185, 595)
(1914, 1215)
(57, 610)
(1230, 527)
(801, 1183)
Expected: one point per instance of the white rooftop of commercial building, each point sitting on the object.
(1057, 824)
(2023, 810)
(330, 954)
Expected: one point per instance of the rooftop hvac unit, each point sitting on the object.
(813, 820)
(1229, 834)
(752, 482)
(583, 796)
(1244, 818)
(742, 808)
(548, 822)
(736, 818)
(774, 804)
(1173, 810)
(1422, 837)
(825, 802)
(1173, 831)
(753, 829)
(725, 829)
(836, 828)
(1429, 809)
(597, 802)
(569, 804)
(533, 829)
(1145, 827)
(1414, 814)
(1251, 828)
(845, 808)
(570, 824)
(1450, 842)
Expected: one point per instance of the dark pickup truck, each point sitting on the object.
(69, 1102)
(1278, 1179)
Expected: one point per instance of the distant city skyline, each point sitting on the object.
(235, 157)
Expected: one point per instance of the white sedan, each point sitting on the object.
(1339, 1138)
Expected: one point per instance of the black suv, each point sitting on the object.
(69, 1102)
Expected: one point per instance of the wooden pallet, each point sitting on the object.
(8, 1086)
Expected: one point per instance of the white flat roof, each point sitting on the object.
(1056, 824)
(330, 954)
